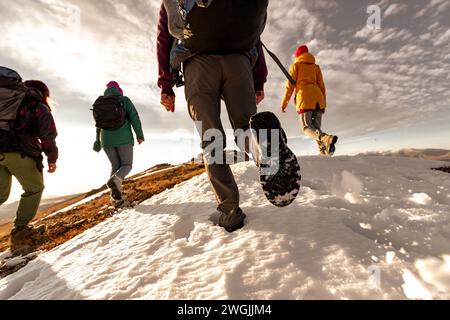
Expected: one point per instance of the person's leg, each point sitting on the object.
(308, 126)
(317, 119)
(327, 141)
(239, 96)
(114, 183)
(5, 181)
(32, 182)
(203, 76)
(114, 159)
(125, 154)
(317, 123)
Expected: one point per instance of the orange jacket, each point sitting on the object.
(310, 89)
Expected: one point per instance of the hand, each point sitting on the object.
(52, 167)
(168, 102)
(140, 141)
(97, 146)
(259, 96)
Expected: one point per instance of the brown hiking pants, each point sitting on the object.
(208, 79)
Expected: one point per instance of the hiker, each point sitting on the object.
(27, 129)
(215, 67)
(115, 115)
(310, 99)
(169, 77)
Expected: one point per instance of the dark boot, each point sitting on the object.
(120, 204)
(26, 239)
(232, 221)
(115, 185)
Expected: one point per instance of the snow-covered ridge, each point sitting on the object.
(363, 228)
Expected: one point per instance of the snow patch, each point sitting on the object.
(433, 281)
(414, 288)
(347, 186)
(390, 256)
(421, 198)
(366, 226)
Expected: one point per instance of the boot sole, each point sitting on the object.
(282, 187)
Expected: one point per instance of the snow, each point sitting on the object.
(422, 198)
(353, 233)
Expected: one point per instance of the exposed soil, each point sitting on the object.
(68, 224)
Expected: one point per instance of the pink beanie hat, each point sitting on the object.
(114, 84)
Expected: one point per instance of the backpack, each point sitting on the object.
(217, 26)
(109, 112)
(12, 93)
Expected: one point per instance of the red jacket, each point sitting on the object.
(35, 129)
(165, 43)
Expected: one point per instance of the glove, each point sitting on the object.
(97, 146)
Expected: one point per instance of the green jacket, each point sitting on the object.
(122, 136)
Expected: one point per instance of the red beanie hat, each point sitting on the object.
(301, 50)
(39, 85)
(114, 84)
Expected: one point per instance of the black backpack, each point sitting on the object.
(12, 93)
(109, 112)
(223, 26)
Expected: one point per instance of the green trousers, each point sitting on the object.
(32, 180)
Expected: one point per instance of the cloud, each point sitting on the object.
(443, 39)
(434, 8)
(368, 73)
(395, 9)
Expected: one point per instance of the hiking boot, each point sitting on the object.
(25, 240)
(329, 142)
(322, 148)
(120, 204)
(115, 185)
(232, 221)
(27, 232)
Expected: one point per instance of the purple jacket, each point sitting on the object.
(165, 43)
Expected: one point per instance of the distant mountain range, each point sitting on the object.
(8, 211)
(426, 154)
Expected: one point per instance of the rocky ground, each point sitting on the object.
(88, 210)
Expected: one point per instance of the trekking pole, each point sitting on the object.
(280, 65)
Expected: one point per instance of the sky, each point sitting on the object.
(388, 88)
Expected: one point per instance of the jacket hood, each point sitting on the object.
(113, 91)
(307, 58)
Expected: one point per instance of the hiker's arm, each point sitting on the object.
(260, 71)
(97, 144)
(164, 46)
(290, 88)
(47, 133)
(321, 83)
(134, 119)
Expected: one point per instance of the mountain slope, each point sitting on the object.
(426, 154)
(357, 218)
(68, 219)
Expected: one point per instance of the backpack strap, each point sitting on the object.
(280, 65)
